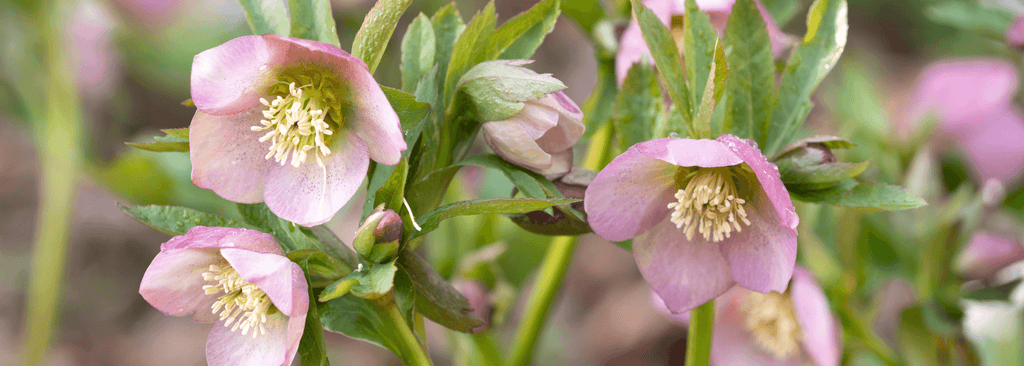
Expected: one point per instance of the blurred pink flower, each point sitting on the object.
(633, 48)
(703, 214)
(541, 136)
(986, 254)
(239, 279)
(297, 101)
(973, 102)
(1015, 33)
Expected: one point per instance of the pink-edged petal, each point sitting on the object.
(280, 278)
(511, 140)
(767, 175)
(310, 194)
(630, 195)
(762, 256)
(958, 92)
(819, 327)
(364, 107)
(689, 152)
(174, 282)
(684, 273)
(987, 253)
(996, 146)
(231, 78)
(201, 237)
(1015, 33)
(731, 344)
(227, 156)
(570, 126)
(225, 347)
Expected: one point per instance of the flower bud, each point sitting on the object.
(378, 238)
(810, 163)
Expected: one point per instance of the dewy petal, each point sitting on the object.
(996, 146)
(762, 256)
(364, 106)
(225, 347)
(280, 278)
(173, 283)
(684, 273)
(202, 237)
(767, 175)
(310, 194)
(630, 195)
(231, 78)
(227, 156)
(819, 327)
(511, 140)
(986, 254)
(689, 152)
(731, 343)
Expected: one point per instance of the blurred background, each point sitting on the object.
(129, 65)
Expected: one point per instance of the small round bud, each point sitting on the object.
(379, 237)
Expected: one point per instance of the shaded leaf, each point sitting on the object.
(290, 236)
(519, 37)
(172, 220)
(861, 195)
(435, 297)
(473, 40)
(312, 19)
(666, 58)
(418, 50)
(312, 346)
(699, 41)
(638, 106)
(431, 219)
(266, 16)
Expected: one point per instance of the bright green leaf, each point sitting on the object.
(585, 13)
(520, 36)
(666, 58)
(751, 82)
(372, 37)
(410, 112)
(312, 19)
(418, 50)
(369, 283)
(473, 40)
(266, 16)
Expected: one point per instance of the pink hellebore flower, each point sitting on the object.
(289, 122)
(986, 254)
(239, 279)
(541, 136)
(1015, 33)
(703, 214)
(633, 48)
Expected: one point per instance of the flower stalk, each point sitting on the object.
(698, 338)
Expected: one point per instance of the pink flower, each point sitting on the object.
(986, 254)
(776, 329)
(973, 102)
(1015, 33)
(289, 122)
(633, 48)
(703, 214)
(239, 279)
(540, 137)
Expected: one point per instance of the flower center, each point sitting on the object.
(242, 303)
(296, 122)
(772, 321)
(709, 205)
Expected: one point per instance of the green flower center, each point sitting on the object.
(771, 320)
(708, 204)
(243, 304)
(300, 121)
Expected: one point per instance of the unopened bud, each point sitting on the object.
(379, 237)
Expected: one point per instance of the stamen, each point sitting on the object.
(709, 205)
(771, 320)
(244, 304)
(295, 124)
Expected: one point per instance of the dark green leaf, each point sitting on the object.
(532, 185)
(436, 298)
(410, 112)
(429, 221)
(638, 106)
(372, 37)
(334, 245)
(418, 49)
(586, 13)
(369, 283)
(312, 346)
(699, 40)
(364, 319)
(470, 42)
(971, 16)
(520, 36)
(706, 108)
(312, 19)
(321, 269)
(173, 220)
(993, 293)
(861, 195)
(666, 58)
(751, 82)
(290, 236)
(266, 16)
(160, 146)
(782, 10)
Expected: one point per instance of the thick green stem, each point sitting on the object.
(549, 281)
(698, 340)
(411, 350)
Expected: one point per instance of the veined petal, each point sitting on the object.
(202, 237)
(689, 152)
(819, 327)
(684, 273)
(762, 256)
(225, 347)
(231, 78)
(732, 344)
(630, 195)
(280, 278)
(227, 156)
(310, 194)
(173, 283)
(767, 176)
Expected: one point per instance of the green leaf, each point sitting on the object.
(391, 193)
(472, 41)
(418, 50)
(699, 40)
(369, 283)
(666, 58)
(372, 37)
(312, 19)
(435, 298)
(312, 346)
(363, 319)
(321, 269)
(334, 245)
(410, 112)
(751, 83)
(429, 221)
(993, 293)
(160, 146)
(810, 163)
(173, 220)
(702, 121)
(782, 10)
(586, 13)
(861, 195)
(532, 185)
(181, 133)
(972, 17)
(290, 236)
(638, 106)
(520, 36)
(819, 51)
(498, 89)
(448, 27)
(917, 344)
(266, 16)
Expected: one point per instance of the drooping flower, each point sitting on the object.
(239, 279)
(986, 254)
(541, 136)
(289, 122)
(703, 214)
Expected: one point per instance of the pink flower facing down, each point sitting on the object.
(239, 279)
(541, 136)
(289, 122)
(703, 214)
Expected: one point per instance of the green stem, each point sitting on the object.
(58, 139)
(549, 280)
(410, 349)
(698, 340)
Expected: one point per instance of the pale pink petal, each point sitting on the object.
(280, 278)
(986, 254)
(684, 273)
(174, 282)
(1015, 33)
(689, 152)
(225, 347)
(779, 39)
(202, 237)
(767, 175)
(511, 140)
(819, 327)
(227, 156)
(561, 163)
(310, 194)
(681, 317)
(630, 195)
(732, 344)
(231, 78)
(762, 256)
(570, 126)
(632, 47)
(958, 92)
(995, 146)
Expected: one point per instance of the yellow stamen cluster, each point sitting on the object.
(709, 205)
(243, 303)
(296, 125)
(772, 322)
